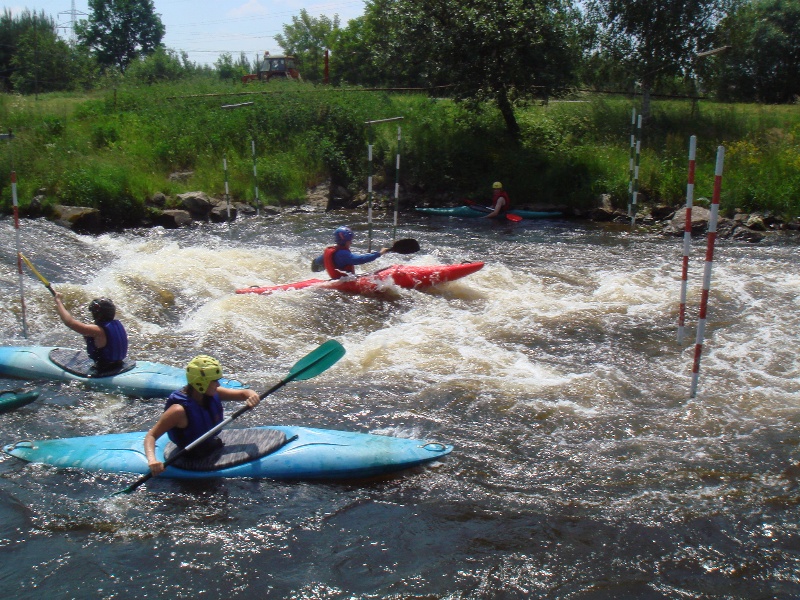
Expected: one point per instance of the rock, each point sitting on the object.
(158, 199)
(744, 234)
(244, 209)
(662, 212)
(198, 204)
(223, 211)
(700, 217)
(78, 218)
(173, 219)
(601, 213)
(181, 176)
(756, 223)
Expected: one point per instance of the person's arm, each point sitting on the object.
(242, 395)
(358, 259)
(174, 416)
(497, 208)
(86, 329)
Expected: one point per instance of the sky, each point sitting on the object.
(204, 29)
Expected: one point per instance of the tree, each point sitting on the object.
(653, 40)
(12, 30)
(351, 55)
(161, 65)
(307, 39)
(492, 50)
(42, 61)
(120, 31)
(763, 60)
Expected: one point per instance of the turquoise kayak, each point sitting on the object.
(137, 378)
(288, 452)
(468, 211)
(13, 399)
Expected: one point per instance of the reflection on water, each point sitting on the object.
(580, 469)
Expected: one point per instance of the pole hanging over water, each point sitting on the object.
(227, 196)
(369, 178)
(255, 178)
(635, 193)
(10, 136)
(687, 236)
(712, 238)
(630, 161)
(397, 185)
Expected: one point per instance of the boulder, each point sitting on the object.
(78, 218)
(700, 217)
(198, 204)
(173, 219)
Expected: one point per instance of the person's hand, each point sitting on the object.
(384, 251)
(252, 399)
(156, 467)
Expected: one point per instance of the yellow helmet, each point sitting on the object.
(497, 185)
(201, 371)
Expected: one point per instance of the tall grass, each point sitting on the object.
(116, 148)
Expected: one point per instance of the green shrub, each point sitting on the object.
(105, 187)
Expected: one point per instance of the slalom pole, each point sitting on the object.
(630, 161)
(369, 187)
(255, 178)
(712, 238)
(397, 185)
(635, 193)
(227, 197)
(10, 136)
(687, 235)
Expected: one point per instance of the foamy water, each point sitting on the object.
(580, 466)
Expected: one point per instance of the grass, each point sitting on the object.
(114, 149)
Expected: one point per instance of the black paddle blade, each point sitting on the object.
(407, 246)
(317, 265)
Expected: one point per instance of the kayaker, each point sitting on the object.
(501, 203)
(106, 338)
(194, 410)
(339, 261)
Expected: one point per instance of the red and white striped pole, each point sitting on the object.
(687, 235)
(712, 238)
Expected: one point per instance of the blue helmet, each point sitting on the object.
(342, 235)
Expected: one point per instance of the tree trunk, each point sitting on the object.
(645, 102)
(508, 113)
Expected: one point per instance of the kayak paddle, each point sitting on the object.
(39, 275)
(314, 363)
(475, 206)
(406, 246)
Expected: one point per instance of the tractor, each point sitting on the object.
(272, 67)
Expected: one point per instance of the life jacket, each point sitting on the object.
(501, 194)
(201, 420)
(116, 348)
(333, 271)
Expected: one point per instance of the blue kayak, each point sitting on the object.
(292, 453)
(137, 378)
(470, 212)
(13, 399)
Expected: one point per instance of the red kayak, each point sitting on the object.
(411, 277)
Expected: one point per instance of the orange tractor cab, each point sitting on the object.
(274, 66)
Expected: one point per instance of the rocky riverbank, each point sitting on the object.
(191, 208)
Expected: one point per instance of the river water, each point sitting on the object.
(581, 467)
